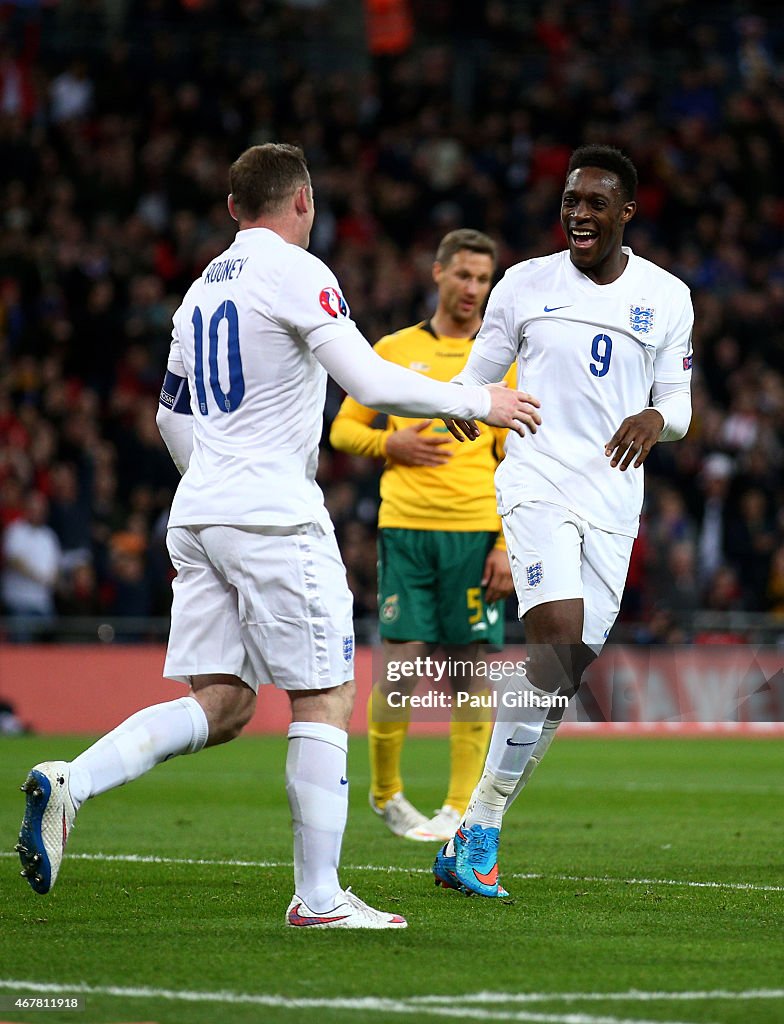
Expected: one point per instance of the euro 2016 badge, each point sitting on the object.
(641, 319)
(332, 302)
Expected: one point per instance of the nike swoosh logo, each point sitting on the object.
(552, 309)
(301, 921)
(511, 743)
(490, 878)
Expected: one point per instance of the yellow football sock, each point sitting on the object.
(385, 744)
(468, 743)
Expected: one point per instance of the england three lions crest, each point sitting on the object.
(641, 319)
(534, 574)
(348, 648)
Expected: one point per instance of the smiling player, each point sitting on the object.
(603, 338)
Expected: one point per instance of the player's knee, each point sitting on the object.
(229, 723)
(552, 666)
(239, 717)
(339, 703)
(331, 706)
(228, 710)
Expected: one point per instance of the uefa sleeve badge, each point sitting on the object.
(332, 302)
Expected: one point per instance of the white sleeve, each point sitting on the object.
(175, 363)
(480, 370)
(311, 305)
(672, 371)
(173, 417)
(379, 384)
(673, 359)
(673, 401)
(309, 302)
(496, 345)
(177, 434)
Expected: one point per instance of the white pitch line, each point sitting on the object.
(735, 886)
(138, 858)
(632, 995)
(757, 789)
(454, 1009)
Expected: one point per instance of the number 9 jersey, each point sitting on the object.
(244, 337)
(592, 354)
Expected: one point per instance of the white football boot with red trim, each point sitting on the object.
(349, 912)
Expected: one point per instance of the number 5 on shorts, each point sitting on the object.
(474, 605)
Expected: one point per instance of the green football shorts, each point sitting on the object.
(429, 587)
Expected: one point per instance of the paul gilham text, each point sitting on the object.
(522, 698)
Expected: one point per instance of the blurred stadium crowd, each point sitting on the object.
(117, 125)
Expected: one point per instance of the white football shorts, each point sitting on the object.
(556, 556)
(267, 604)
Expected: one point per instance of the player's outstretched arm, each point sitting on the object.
(515, 410)
(382, 385)
(353, 431)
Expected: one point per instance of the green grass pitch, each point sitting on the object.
(646, 880)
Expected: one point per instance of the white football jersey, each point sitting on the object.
(244, 337)
(591, 354)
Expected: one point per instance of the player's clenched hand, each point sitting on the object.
(411, 447)
(635, 437)
(513, 409)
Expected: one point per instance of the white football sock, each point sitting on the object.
(543, 745)
(318, 797)
(145, 739)
(511, 746)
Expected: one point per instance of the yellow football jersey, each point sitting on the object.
(457, 495)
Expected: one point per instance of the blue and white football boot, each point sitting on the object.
(48, 820)
(444, 874)
(476, 859)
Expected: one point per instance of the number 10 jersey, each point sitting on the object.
(245, 337)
